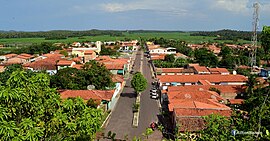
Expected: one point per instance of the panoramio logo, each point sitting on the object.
(235, 132)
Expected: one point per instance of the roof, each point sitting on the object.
(88, 52)
(117, 78)
(113, 66)
(10, 55)
(200, 69)
(236, 101)
(44, 64)
(169, 70)
(194, 95)
(218, 70)
(222, 88)
(65, 63)
(26, 55)
(190, 124)
(14, 60)
(215, 78)
(157, 56)
(54, 55)
(88, 94)
(78, 66)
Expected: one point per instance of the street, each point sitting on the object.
(122, 116)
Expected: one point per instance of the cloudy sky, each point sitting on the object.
(184, 15)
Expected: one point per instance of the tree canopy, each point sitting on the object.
(265, 39)
(138, 82)
(205, 57)
(92, 73)
(31, 110)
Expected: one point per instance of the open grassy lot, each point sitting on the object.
(183, 36)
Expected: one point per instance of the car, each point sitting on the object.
(153, 90)
(153, 93)
(154, 96)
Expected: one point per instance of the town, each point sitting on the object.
(146, 90)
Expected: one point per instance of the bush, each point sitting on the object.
(135, 107)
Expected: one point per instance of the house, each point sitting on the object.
(174, 71)
(222, 71)
(157, 56)
(200, 69)
(225, 91)
(102, 97)
(116, 66)
(89, 55)
(213, 79)
(187, 114)
(64, 64)
(76, 44)
(106, 99)
(46, 62)
(79, 52)
(160, 50)
(187, 108)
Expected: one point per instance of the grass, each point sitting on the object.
(183, 36)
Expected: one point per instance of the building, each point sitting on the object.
(160, 50)
(265, 73)
(212, 79)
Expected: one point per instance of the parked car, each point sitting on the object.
(153, 90)
(154, 96)
(153, 93)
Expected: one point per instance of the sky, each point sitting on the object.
(180, 15)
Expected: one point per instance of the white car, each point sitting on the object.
(153, 93)
(153, 90)
(154, 96)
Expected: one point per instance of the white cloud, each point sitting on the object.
(238, 6)
(177, 7)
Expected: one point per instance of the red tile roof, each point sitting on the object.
(88, 94)
(44, 64)
(236, 101)
(55, 55)
(10, 55)
(222, 88)
(213, 78)
(190, 124)
(113, 66)
(88, 52)
(218, 70)
(170, 70)
(78, 66)
(201, 69)
(117, 78)
(64, 63)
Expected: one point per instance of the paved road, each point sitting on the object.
(122, 116)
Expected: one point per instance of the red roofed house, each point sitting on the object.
(106, 98)
(116, 66)
(7, 56)
(89, 55)
(213, 79)
(48, 64)
(187, 108)
(64, 64)
(174, 71)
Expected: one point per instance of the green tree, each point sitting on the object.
(205, 57)
(169, 58)
(31, 110)
(138, 82)
(218, 128)
(265, 39)
(92, 73)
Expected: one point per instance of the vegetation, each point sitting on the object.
(205, 57)
(92, 73)
(109, 51)
(138, 82)
(171, 62)
(225, 34)
(266, 43)
(31, 110)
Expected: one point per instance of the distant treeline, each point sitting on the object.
(152, 31)
(226, 34)
(57, 34)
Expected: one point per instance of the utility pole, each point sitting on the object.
(253, 49)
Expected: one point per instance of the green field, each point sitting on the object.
(20, 42)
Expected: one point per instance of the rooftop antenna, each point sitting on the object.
(255, 24)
